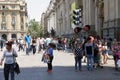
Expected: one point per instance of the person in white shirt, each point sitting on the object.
(8, 56)
(48, 40)
(42, 43)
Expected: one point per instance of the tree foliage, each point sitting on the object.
(34, 28)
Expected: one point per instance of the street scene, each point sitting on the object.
(59, 40)
(63, 68)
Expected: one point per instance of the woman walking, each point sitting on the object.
(8, 55)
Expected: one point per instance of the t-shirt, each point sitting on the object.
(48, 40)
(8, 56)
(50, 51)
(28, 39)
(89, 49)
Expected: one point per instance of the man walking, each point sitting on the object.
(28, 41)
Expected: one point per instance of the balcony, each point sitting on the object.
(3, 28)
(3, 22)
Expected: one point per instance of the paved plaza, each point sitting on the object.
(63, 69)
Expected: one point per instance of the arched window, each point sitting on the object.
(4, 36)
(14, 36)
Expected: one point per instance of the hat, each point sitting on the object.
(9, 43)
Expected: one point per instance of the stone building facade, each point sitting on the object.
(102, 15)
(43, 23)
(13, 19)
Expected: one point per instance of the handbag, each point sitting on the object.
(16, 65)
(45, 58)
(16, 68)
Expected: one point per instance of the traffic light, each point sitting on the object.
(77, 16)
(77, 29)
(87, 27)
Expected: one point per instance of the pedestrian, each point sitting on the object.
(34, 45)
(28, 41)
(89, 51)
(49, 53)
(105, 52)
(115, 50)
(42, 44)
(9, 55)
(1, 44)
(78, 53)
(100, 47)
(21, 44)
(47, 41)
(96, 54)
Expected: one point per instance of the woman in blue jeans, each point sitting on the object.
(8, 55)
(89, 51)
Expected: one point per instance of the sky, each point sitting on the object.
(36, 8)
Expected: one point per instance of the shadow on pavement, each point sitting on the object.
(66, 73)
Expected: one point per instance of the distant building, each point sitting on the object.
(13, 18)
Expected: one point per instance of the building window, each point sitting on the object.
(13, 27)
(22, 20)
(13, 6)
(13, 19)
(3, 7)
(21, 14)
(3, 27)
(21, 8)
(3, 19)
(22, 27)
(13, 13)
(3, 13)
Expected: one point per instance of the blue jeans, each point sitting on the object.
(27, 48)
(64, 47)
(9, 69)
(78, 63)
(89, 62)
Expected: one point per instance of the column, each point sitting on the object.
(8, 20)
(18, 20)
(9, 36)
(97, 23)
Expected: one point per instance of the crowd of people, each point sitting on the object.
(93, 51)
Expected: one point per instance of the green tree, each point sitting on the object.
(34, 28)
